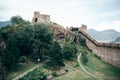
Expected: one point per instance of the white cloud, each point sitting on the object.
(106, 25)
(66, 12)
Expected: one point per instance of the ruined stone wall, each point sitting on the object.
(59, 29)
(109, 52)
(82, 28)
(40, 18)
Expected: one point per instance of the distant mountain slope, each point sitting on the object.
(117, 39)
(105, 36)
(4, 23)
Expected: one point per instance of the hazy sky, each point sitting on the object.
(96, 14)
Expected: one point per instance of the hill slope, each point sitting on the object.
(4, 23)
(117, 39)
(95, 66)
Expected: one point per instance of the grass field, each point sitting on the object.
(75, 75)
(94, 66)
(102, 69)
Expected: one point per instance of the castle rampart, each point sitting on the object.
(109, 52)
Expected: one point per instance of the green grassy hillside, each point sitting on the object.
(102, 69)
(94, 66)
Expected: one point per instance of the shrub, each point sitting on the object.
(54, 74)
(82, 42)
(84, 58)
(36, 74)
(23, 59)
(97, 56)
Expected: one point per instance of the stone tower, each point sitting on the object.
(40, 18)
(83, 28)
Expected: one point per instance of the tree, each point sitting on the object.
(56, 55)
(16, 20)
(11, 54)
(22, 38)
(69, 50)
(82, 41)
(24, 35)
(41, 39)
(2, 71)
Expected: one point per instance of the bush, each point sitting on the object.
(84, 58)
(67, 39)
(82, 42)
(36, 74)
(23, 59)
(97, 56)
(54, 74)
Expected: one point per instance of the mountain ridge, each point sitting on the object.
(117, 39)
(4, 23)
(104, 36)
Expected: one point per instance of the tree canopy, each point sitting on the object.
(69, 50)
(23, 39)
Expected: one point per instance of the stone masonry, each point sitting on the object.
(40, 18)
(109, 52)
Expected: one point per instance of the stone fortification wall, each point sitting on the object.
(109, 52)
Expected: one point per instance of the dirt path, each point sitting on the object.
(80, 64)
(23, 74)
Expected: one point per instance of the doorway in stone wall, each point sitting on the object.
(35, 19)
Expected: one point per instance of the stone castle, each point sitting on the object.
(108, 52)
(40, 18)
